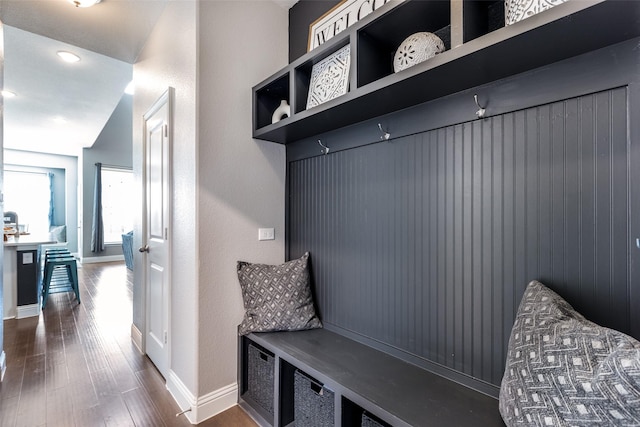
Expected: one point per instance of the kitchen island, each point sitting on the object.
(21, 275)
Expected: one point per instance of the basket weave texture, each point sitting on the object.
(260, 378)
(312, 408)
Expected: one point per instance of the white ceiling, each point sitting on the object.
(108, 37)
(59, 107)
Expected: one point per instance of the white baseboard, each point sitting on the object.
(30, 310)
(96, 259)
(204, 407)
(217, 401)
(181, 394)
(3, 365)
(136, 337)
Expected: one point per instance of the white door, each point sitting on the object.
(157, 146)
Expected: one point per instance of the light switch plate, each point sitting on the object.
(266, 234)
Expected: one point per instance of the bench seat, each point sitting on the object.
(397, 392)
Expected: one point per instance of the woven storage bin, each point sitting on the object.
(313, 403)
(370, 421)
(260, 378)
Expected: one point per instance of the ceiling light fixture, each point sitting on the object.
(8, 94)
(60, 120)
(84, 3)
(68, 56)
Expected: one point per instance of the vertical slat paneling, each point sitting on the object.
(621, 227)
(458, 245)
(508, 240)
(587, 249)
(487, 235)
(466, 264)
(557, 194)
(545, 186)
(498, 252)
(426, 242)
(571, 196)
(603, 188)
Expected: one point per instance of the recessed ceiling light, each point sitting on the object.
(84, 3)
(7, 94)
(68, 56)
(60, 120)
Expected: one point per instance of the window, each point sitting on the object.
(28, 195)
(118, 203)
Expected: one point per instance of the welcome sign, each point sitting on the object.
(341, 17)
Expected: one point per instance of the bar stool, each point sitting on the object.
(60, 275)
(54, 253)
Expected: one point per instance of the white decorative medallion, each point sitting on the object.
(517, 10)
(417, 48)
(330, 77)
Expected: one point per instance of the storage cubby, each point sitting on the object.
(268, 98)
(354, 415)
(484, 50)
(303, 72)
(258, 379)
(379, 40)
(313, 403)
(481, 17)
(287, 373)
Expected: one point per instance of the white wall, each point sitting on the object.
(241, 180)
(169, 59)
(226, 185)
(3, 359)
(113, 148)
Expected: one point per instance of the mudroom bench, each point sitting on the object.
(319, 378)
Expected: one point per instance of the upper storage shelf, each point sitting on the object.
(479, 49)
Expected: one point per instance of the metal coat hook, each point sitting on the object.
(325, 149)
(481, 110)
(385, 135)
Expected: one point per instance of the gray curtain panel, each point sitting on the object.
(51, 201)
(97, 227)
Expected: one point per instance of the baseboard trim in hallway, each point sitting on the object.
(201, 408)
(29, 310)
(136, 337)
(101, 259)
(216, 402)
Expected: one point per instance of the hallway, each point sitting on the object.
(75, 365)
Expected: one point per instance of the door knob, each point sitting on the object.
(144, 248)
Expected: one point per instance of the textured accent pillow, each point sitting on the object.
(59, 233)
(563, 370)
(277, 297)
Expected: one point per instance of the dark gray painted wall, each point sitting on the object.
(112, 147)
(301, 15)
(424, 244)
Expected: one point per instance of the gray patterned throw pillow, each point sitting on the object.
(277, 297)
(563, 370)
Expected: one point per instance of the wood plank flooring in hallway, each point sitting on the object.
(75, 365)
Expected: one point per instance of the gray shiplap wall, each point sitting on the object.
(425, 243)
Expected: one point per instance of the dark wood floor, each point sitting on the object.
(75, 365)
